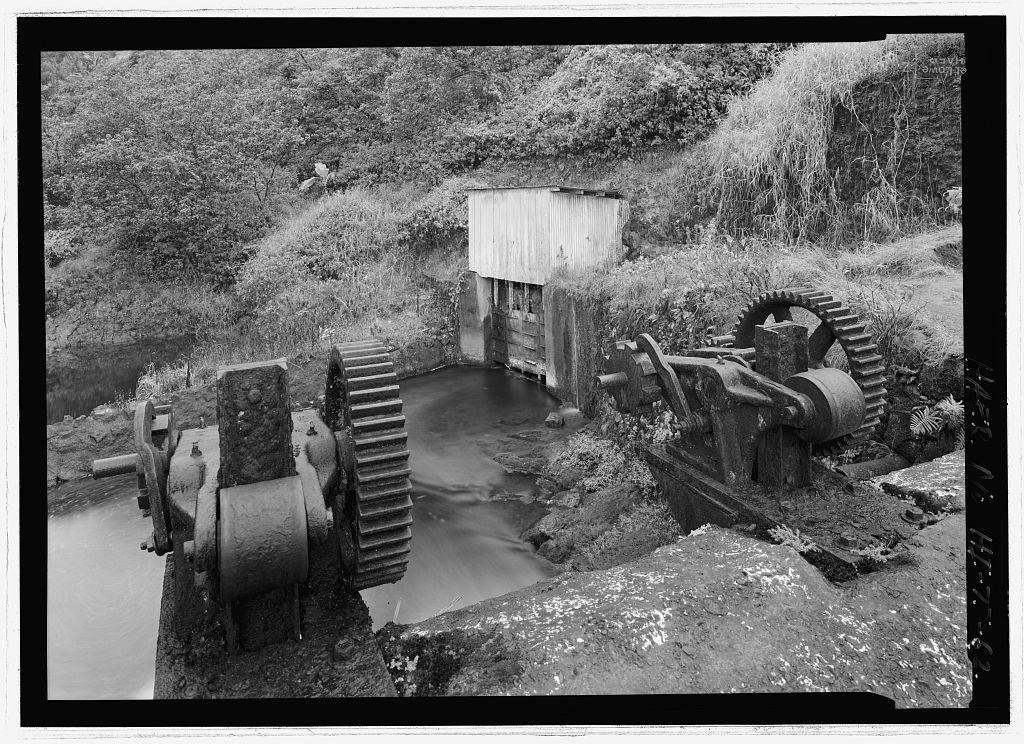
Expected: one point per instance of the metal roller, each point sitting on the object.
(261, 537)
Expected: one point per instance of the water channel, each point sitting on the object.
(79, 379)
(103, 593)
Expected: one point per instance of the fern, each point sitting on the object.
(945, 416)
(951, 410)
(924, 421)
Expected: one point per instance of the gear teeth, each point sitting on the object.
(866, 365)
(863, 349)
(380, 513)
(870, 359)
(393, 538)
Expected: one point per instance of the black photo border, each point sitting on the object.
(984, 175)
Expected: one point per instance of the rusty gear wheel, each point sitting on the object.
(838, 323)
(362, 407)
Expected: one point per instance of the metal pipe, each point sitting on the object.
(871, 468)
(119, 465)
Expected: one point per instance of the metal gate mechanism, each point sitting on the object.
(754, 407)
(242, 504)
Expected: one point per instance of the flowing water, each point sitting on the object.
(104, 593)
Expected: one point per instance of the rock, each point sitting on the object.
(544, 528)
(554, 420)
(569, 477)
(572, 416)
(917, 449)
(536, 535)
(106, 414)
(938, 484)
(514, 463)
(555, 550)
(530, 435)
(568, 499)
(546, 486)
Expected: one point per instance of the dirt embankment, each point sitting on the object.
(72, 444)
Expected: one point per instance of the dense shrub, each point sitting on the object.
(614, 101)
(175, 158)
(681, 296)
(59, 246)
(382, 262)
(440, 218)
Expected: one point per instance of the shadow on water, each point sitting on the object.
(79, 379)
(104, 593)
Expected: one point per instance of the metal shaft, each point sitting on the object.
(613, 380)
(119, 465)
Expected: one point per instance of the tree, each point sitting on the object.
(179, 158)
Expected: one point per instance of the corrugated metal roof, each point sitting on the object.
(552, 187)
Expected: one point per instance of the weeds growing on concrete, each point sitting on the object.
(785, 535)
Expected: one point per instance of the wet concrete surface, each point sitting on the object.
(716, 611)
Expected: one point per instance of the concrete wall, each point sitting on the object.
(475, 320)
(574, 351)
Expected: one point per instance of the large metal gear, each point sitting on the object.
(838, 323)
(373, 512)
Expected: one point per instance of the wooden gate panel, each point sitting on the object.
(517, 330)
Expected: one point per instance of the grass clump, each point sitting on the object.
(912, 300)
(605, 464)
(364, 262)
(644, 526)
(681, 296)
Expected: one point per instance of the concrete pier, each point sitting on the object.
(337, 655)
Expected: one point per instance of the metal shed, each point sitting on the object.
(518, 238)
(525, 234)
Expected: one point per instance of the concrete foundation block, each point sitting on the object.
(475, 320)
(255, 423)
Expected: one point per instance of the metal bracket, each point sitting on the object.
(673, 391)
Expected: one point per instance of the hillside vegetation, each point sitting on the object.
(183, 194)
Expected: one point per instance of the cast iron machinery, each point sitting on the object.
(754, 406)
(244, 506)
